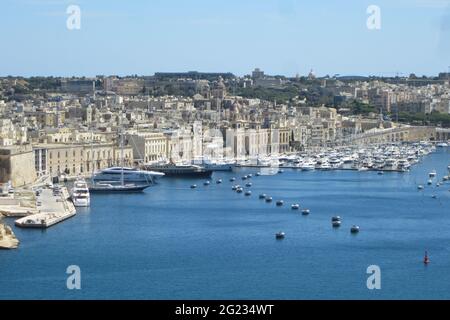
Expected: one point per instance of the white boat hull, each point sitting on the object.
(81, 203)
(220, 167)
(80, 194)
(114, 175)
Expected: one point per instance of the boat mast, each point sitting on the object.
(92, 155)
(121, 148)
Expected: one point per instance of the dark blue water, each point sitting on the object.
(173, 242)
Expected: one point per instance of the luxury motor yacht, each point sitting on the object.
(403, 165)
(80, 194)
(122, 179)
(335, 162)
(308, 165)
(114, 175)
(390, 164)
(216, 165)
(325, 166)
(179, 170)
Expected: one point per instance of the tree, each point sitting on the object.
(359, 107)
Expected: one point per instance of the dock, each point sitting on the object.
(283, 166)
(43, 220)
(54, 209)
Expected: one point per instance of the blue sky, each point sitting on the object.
(280, 36)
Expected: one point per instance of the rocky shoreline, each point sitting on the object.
(7, 238)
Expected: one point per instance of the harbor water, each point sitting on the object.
(174, 242)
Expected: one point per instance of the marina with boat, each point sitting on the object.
(389, 157)
(62, 204)
(268, 210)
(54, 206)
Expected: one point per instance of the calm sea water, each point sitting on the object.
(173, 242)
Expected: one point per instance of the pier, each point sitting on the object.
(54, 209)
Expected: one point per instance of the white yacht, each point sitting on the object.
(308, 165)
(80, 194)
(335, 162)
(390, 164)
(325, 166)
(220, 166)
(412, 159)
(349, 161)
(403, 165)
(216, 165)
(130, 175)
(268, 162)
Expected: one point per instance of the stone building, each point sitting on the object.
(16, 165)
(148, 146)
(78, 159)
